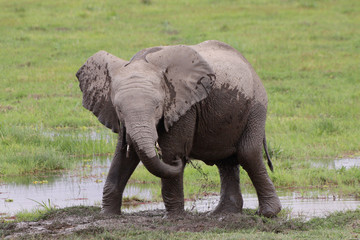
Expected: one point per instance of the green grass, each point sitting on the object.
(35, 149)
(306, 53)
(37, 214)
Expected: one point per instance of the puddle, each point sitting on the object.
(338, 163)
(84, 187)
(296, 205)
(90, 135)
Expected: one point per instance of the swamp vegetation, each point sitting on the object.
(305, 52)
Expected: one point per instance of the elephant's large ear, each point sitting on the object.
(95, 82)
(188, 77)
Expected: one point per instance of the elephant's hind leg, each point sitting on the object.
(230, 195)
(251, 159)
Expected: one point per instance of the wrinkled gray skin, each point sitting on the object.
(203, 101)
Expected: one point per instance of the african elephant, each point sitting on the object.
(202, 101)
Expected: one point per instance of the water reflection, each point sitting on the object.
(84, 185)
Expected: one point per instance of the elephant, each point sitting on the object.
(201, 102)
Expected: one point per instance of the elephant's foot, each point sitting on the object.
(107, 210)
(269, 206)
(230, 204)
(111, 203)
(175, 209)
(175, 214)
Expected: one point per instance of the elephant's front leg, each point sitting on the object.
(173, 195)
(176, 143)
(122, 166)
(172, 189)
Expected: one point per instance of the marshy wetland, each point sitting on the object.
(54, 154)
(83, 186)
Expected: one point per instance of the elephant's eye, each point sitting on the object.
(158, 110)
(119, 111)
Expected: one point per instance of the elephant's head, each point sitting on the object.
(132, 97)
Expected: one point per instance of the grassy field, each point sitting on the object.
(306, 52)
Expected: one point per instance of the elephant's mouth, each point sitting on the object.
(157, 150)
(160, 155)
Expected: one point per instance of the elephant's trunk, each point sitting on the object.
(143, 137)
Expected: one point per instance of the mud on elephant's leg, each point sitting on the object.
(231, 200)
(121, 168)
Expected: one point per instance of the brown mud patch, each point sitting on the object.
(87, 222)
(61, 223)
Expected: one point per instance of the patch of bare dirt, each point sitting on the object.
(5, 109)
(83, 220)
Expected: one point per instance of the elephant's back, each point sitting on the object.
(232, 70)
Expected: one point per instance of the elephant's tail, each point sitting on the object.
(267, 155)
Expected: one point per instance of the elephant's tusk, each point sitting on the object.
(158, 150)
(127, 151)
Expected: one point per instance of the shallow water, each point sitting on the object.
(338, 163)
(83, 186)
(91, 135)
(294, 203)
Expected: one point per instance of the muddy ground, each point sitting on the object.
(83, 220)
(88, 222)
